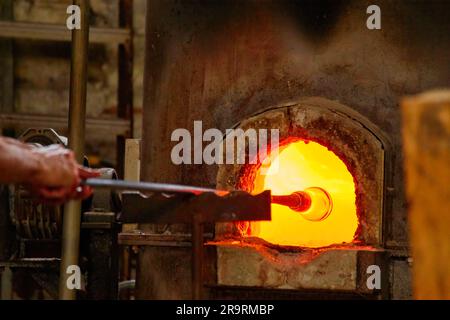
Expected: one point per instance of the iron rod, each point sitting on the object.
(147, 186)
(77, 112)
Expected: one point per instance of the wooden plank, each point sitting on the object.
(426, 138)
(132, 159)
(53, 32)
(113, 126)
(131, 169)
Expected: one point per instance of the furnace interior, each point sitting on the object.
(297, 166)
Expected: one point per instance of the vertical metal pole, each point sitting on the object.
(197, 260)
(77, 110)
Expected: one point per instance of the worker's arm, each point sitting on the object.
(51, 173)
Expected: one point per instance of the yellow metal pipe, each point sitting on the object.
(77, 111)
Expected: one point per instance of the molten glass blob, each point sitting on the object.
(331, 215)
(321, 204)
(313, 204)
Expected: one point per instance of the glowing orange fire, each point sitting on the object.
(298, 166)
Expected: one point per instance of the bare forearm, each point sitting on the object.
(18, 164)
(50, 173)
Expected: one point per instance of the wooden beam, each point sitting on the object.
(112, 126)
(125, 81)
(426, 138)
(53, 32)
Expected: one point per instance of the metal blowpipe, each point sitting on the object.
(314, 204)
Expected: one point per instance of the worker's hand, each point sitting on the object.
(58, 176)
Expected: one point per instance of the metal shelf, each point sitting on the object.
(53, 32)
(14, 120)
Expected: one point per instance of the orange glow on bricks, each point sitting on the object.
(298, 166)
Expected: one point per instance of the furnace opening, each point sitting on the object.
(298, 166)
